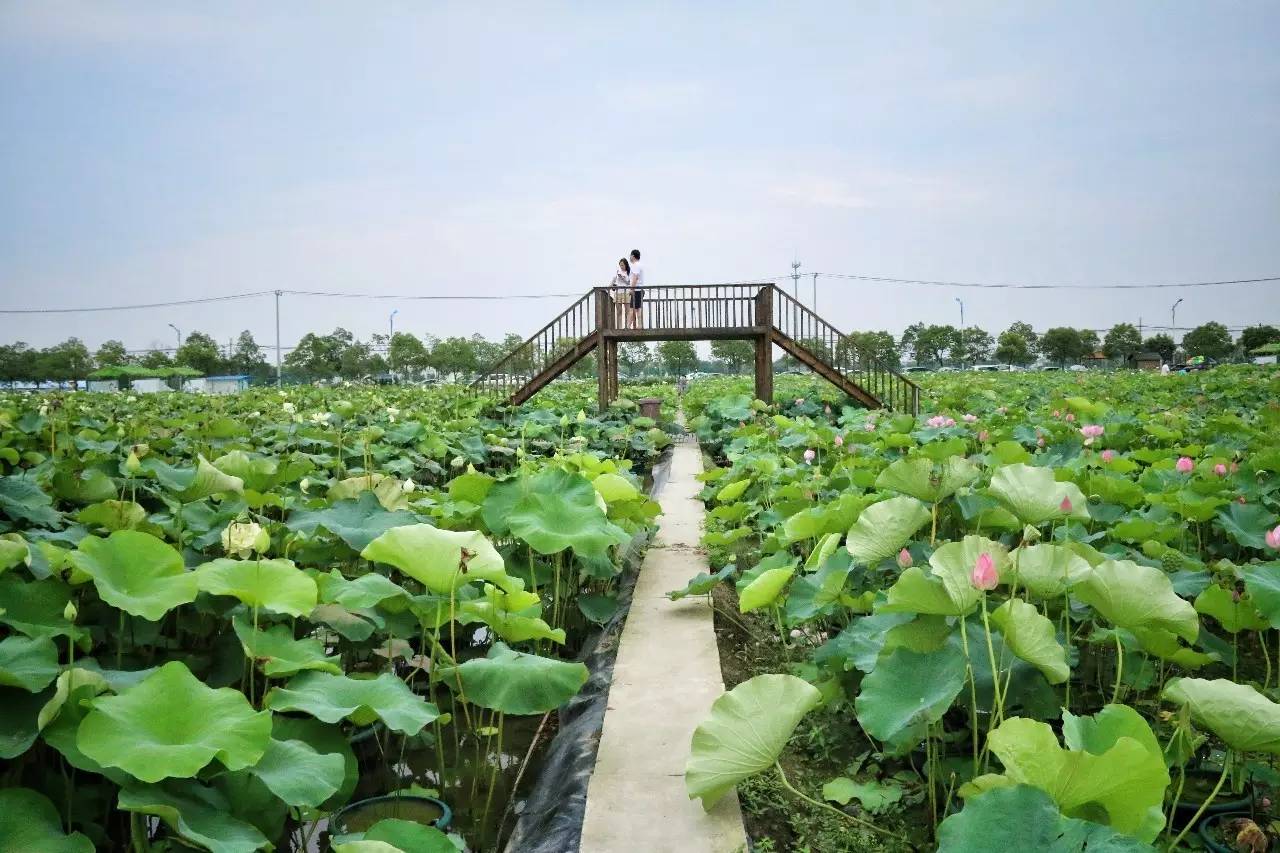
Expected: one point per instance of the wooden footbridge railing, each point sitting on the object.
(763, 314)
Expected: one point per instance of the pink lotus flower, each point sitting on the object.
(983, 435)
(869, 426)
(799, 400)
(1240, 500)
(984, 574)
(839, 441)
(1057, 413)
(1065, 506)
(1070, 417)
(1108, 455)
(904, 559)
(1040, 441)
(1273, 538)
(1092, 430)
(1185, 465)
(809, 455)
(940, 421)
(968, 418)
(1220, 469)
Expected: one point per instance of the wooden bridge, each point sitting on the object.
(763, 314)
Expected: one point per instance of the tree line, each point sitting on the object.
(339, 354)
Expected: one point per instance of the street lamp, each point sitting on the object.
(179, 334)
(1173, 320)
(960, 302)
(393, 326)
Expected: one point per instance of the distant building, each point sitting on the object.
(1096, 359)
(1147, 361)
(225, 384)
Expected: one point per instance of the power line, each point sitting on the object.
(1011, 286)
(200, 301)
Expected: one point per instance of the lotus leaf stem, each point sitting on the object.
(1115, 694)
(1195, 818)
(973, 692)
(996, 695)
(782, 777)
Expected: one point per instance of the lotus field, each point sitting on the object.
(223, 620)
(1042, 615)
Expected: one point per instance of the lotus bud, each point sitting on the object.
(1273, 538)
(809, 456)
(1070, 417)
(582, 416)
(1185, 465)
(968, 418)
(984, 575)
(904, 559)
(983, 435)
(1040, 441)
(133, 464)
(564, 420)
(408, 486)
(870, 426)
(1030, 534)
(839, 441)
(289, 408)
(69, 612)
(1108, 455)
(305, 484)
(799, 401)
(1065, 506)
(1220, 469)
(796, 633)
(457, 462)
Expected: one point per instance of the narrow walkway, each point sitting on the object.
(666, 676)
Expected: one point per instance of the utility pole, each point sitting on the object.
(179, 333)
(1173, 321)
(279, 380)
(815, 291)
(960, 302)
(795, 279)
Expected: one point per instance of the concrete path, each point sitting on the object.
(666, 676)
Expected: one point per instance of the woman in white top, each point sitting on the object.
(621, 286)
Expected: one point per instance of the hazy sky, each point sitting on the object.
(170, 150)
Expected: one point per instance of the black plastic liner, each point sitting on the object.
(551, 818)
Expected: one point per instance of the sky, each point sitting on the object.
(160, 151)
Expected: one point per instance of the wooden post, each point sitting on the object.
(604, 309)
(764, 344)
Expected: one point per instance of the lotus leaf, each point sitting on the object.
(916, 592)
(733, 491)
(765, 588)
(953, 564)
(356, 522)
(326, 740)
(279, 654)
(332, 698)
(1237, 713)
(815, 593)
(702, 583)
(875, 797)
(196, 813)
(207, 480)
(28, 662)
(926, 480)
(441, 560)
(388, 491)
(12, 553)
(136, 572)
(21, 498)
(113, 515)
(276, 584)
(517, 683)
(552, 511)
(255, 472)
(907, 692)
(172, 725)
(884, 527)
(615, 488)
(1047, 571)
(1262, 581)
(69, 681)
(20, 719)
(1034, 496)
(409, 836)
(1114, 774)
(1138, 597)
(1032, 637)
(824, 549)
(85, 487)
(1235, 613)
(745, 733)
(365, 591)
(510, 616)
(298, 774)
(29, 822)
(1247, 524)
(1022, 817)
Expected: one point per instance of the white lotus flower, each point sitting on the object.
(290, 408)
(242, 538)
(408, 486)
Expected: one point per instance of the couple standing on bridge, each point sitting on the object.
(628, 291)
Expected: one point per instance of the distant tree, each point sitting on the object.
(156, 358)
(17, 362)
(933, 343)
(733, 355)
(879, 346)
(1063, 344)
(357, 360)
(248, 359)
(407, 356)
(519, 357)
(974, 345)
(910, 337)
(1028, 334)
(1211, 340)
(678, 357)
(67, 360)
(1012, 348)
(111, 353)
(316, 356)
(1122, 341)
(1090, 341)
(487, 352)
(1256, 336)
(635, 357)
(1162, 344)
(455, 355)
(200, 352)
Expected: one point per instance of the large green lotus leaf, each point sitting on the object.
(84, 487)
(173, 725)
(22, 498)
(884, 527)
(1247, 524)
(13, 552)
(136, 572)
(325, 739)
(553, 511)
(471, 487)
(29, 823)
(1034, 496)
(332, 698)
(953, 565)
(927, 480)
(907, 692)
(764, 589)
(365, 591)
(298, 774)
(279, 654)
(812, 594)
(20, 719)
(1021, 817)
(1245, 719)
(276, 585)
(615, 488)
(441, 560)
(113, 515)
(916, 592)
(208, 480)
(517, 683)
(1124, 785)
(1032, 637)
(356, 522)
(196, 813)
(1046, 570)
(409, 836)
(822, 551)
(745, 733)
(28, 662)
(733, 491)
(1262, 580)
(1138, 597)
(514, 622)
(349, 624)
(255, 472)
(1235, 613)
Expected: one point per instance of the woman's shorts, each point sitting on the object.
(637, 296)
